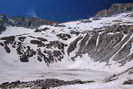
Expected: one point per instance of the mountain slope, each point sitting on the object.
(98, 49)
(19, 21)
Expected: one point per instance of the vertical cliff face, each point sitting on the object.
(113, 43)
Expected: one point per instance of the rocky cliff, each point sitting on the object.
(116, 9)
(111, 43)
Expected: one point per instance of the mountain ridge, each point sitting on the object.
(116, 9)
(23, 21)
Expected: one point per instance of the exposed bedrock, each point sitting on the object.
(111, 43)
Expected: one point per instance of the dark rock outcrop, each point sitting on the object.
(63, 36)
(116, 9)
(112, 43)
(47, 51)
(41, 84)
(128, 82)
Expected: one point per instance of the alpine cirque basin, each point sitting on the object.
(94, 53)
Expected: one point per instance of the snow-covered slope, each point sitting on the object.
(88, 50)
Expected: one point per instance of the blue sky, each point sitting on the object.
(56, 10)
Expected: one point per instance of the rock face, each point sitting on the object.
(42, 51)
(113, 43)
(116, 9)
